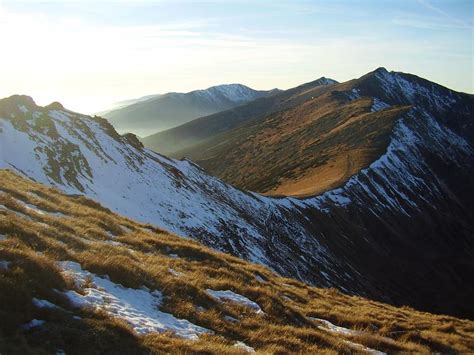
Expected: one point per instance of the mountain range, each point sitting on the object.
(77, 278)
(154, 113)
(311, 146)
(123, 103)
(171, 142)
(394, 227)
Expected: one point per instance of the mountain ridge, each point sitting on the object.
(159, 112)
(186, 135)
(304, 149)
(425, 172)
(298, 151)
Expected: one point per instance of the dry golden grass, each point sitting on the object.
(79, 229)
(312, 147)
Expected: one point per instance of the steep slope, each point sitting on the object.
(407, 215)
(302, 151)
(307, 149)
(161, 112)
(171, 141)
(76, 278)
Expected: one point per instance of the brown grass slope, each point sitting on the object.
(193, 133)
(305, 150)
(33, 243)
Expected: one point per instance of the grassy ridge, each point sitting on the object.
(302, 151)
(80, 230)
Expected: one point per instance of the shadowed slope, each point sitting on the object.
(76, 277)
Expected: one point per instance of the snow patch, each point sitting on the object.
(43, 303)
(231, 319)
(378, 105)
(39, 211)
(328, 326)
(175, 273)
(138, 307)
(33, 324)
(242, 346)
(33, 208)
(336, 197)
(354, 94)
(234, 297)
(113, 243)
(4, 265)
(363, 348)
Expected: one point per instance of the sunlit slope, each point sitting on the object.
(312, 148)
(185, 136)
(319, 143)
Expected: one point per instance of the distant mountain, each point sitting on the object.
(155, 113)
(172, 141)
(122, 104)
(393, 231)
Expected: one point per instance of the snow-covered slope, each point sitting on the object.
(237, 93)
(77, 278)
(160, 112)
(81, 154)
(406, 216)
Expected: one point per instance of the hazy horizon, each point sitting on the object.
(89, 55)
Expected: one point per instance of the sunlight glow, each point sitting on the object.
(87, 62)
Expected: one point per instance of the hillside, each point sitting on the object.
(160, 112)
(121, 104)
(77, 278)
(186, 136)
(312, 147)
(407, 215)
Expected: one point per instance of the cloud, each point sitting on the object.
(433, 8)
(454, 22)
(428, 23)
(88, 64)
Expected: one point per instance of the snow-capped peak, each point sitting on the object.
(233, 92)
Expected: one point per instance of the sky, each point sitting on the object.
(90, 54)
